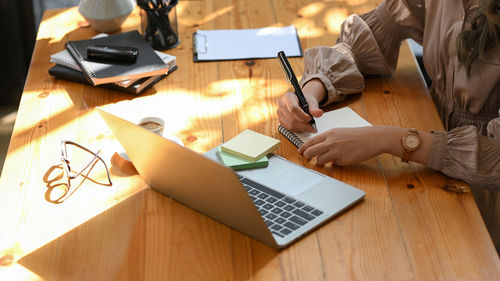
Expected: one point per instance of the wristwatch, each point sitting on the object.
(410, 142)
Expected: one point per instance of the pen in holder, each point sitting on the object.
(160, 27)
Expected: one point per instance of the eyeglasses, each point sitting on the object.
(66, 163)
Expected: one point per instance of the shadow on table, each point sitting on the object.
(145, 235)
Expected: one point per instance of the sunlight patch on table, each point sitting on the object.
(48, 104)
(307, 28)
(334, 19)
(312, 9)
(256, 114)
(50, 28)
(18, 272)
(192, 20)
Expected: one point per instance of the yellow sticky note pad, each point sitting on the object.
(238, 163)
(250, 145)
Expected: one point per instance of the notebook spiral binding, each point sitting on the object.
(80, 61)
(290, 136)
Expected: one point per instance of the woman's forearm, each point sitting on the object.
(316, 89)
(391, 143)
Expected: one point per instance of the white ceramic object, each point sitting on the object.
(106, 15)
(153, 124)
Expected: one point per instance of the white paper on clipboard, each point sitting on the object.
(234, 44)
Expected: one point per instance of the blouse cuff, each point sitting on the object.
(336, 68)
(464, 154)
(456, 150)
(438, 147)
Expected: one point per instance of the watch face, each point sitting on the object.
(412, 141)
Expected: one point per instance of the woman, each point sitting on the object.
(461, 53)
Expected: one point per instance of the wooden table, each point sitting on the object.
(407, 227)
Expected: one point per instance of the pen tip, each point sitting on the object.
(314, 127)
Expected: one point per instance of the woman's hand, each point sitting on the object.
(345, 146)
(291, 115)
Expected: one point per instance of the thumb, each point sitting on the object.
(316, 112)
(314, 108)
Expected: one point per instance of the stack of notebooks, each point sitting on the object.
(247, 150)
(150, 67)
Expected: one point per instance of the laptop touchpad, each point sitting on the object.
(284, 176)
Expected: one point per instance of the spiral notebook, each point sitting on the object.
(148, 62)
(339, 118)
(64, 58)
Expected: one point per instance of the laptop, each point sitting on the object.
(276, 205)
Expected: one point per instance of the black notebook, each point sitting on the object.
(136, 88)
(148, 63)
(339, 118)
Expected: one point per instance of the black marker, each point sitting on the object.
(112, 54)
(285, 65)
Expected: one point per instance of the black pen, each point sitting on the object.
(285, 65)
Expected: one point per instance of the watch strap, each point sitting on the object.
(406, 156)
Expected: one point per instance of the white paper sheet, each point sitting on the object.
(246, 43)
(339, 118)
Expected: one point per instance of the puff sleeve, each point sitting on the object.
(465, 154)
(367, 44)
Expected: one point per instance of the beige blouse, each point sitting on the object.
(468, 107)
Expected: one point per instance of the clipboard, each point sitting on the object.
(236, 44)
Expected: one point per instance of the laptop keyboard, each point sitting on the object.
(283, 214)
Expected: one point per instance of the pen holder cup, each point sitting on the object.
(159, 25)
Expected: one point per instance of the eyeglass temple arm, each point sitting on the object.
(96, 155)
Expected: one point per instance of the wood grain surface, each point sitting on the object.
(406, 228)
